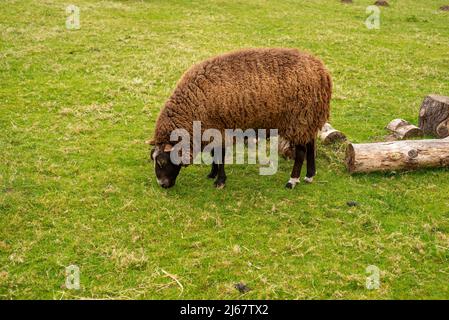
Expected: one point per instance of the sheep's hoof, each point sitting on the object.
(219, 184)
(290, 185)
(308, 180)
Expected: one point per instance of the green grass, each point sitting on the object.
(76, 187)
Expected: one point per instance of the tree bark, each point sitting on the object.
(403, 129)
(397, 155)
(434, 116)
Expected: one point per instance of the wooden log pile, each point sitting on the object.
(396, 155)
(407, 154)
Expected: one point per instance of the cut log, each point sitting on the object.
(327, 135)
(403, 129)
(330, 135)
(397, 155)
(285, 150)
(434, 116)
(442, 129)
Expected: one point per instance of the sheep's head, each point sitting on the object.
(166, 171)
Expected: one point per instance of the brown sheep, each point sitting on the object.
(258, 88)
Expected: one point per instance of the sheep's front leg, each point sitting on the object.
(310, 156)
(221, 178)
(214, 170)
(300, 151)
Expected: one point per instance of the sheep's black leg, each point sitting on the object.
(214, 170)
(221, 178)
(300, 152)
(310, 156)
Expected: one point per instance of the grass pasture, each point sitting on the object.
(76, 188)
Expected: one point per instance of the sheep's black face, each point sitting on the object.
(166, 171)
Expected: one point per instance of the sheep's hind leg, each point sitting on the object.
(214, 170)
(310, 156)
(300, 152)
(221, 178)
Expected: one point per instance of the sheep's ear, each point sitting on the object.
(150, 142)
(168, 148)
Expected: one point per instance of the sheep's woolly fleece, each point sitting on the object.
(274, 88)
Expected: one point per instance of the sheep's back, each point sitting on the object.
(261, 89)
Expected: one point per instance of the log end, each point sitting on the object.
(350, 158)
(441, 99)
(334, 136)
(413, 132)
